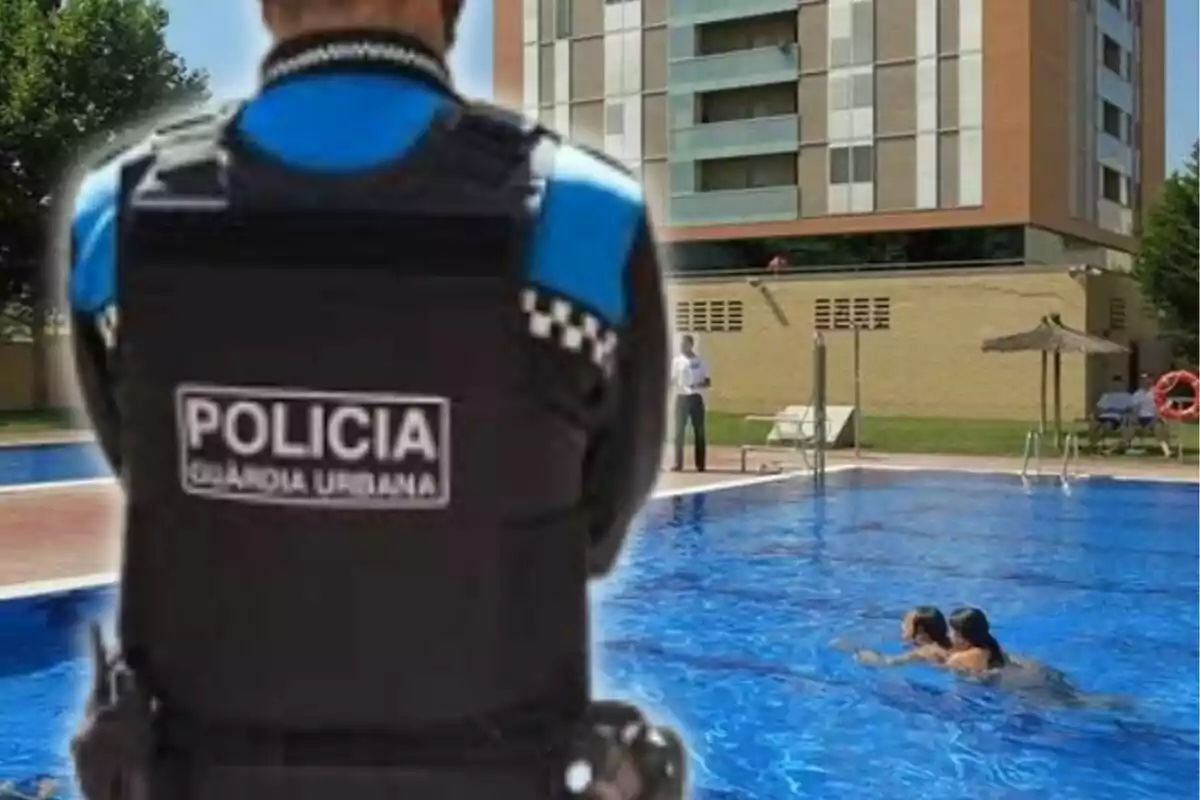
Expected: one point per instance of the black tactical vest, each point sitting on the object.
(353, 478)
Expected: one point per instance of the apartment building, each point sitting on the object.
(1028, 128)
(923, 166)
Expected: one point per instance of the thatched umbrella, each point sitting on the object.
(1051, 336)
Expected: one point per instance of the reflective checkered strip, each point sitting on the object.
(557, 319)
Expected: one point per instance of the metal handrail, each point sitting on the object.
(1033, 450)
(1070, 456)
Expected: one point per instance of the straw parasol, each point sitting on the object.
(1051, 336)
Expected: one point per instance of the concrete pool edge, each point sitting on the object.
(722, 481)
(47, 440)
(41, 588)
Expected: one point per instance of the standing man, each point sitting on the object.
(353, 567)
(689, 376)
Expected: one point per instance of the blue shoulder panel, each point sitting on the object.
(582, 240)
(340, 122)
(346, 122)
(92, 281)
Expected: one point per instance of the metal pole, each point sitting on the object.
(1057, 399)
(857, 393)
(819, 411)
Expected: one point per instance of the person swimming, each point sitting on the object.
(966, 645)
(975, 649)
(924, 629)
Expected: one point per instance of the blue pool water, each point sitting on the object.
(49, 463)
(722, 617)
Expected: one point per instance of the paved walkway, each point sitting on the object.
(55, 534)
(725, 462)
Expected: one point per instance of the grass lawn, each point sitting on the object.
(882, 434)
(923, 435)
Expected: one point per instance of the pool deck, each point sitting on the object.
(61, 535)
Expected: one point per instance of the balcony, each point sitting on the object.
(700, 12)
(741, 137)
(1113, 22)
(1113, 217)
(767, 204)
(758, 67)
(1112, 152)
(1115, 89)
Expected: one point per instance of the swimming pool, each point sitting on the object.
(722, 617)
(50, 463)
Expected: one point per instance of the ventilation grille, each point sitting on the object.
(1116, 314)
(848, 313)
(709, 316)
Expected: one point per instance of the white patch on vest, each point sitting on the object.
(349, 450)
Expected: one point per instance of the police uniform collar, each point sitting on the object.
(358, 50)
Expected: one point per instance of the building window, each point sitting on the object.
(851, 91)
(766, 172)
(614, 119)
(749, 172)
(862, 164)
(1116, 314)
(562, 19)
(839, 165)
(851, 164)
(858, 47)
(1110, 184)
(709, 316)
(848, 313)
(1111, 116)
(1110, 53)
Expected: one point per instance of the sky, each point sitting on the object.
(226, 38)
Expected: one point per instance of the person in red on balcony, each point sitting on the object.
(776, 265)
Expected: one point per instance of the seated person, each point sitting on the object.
(1144, 419)
(924, 630)
(974, 650)
(1110, 415)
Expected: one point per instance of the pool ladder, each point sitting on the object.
(1033, 453)
(1070, 458)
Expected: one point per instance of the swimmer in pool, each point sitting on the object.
(975, 650)
(924, 629)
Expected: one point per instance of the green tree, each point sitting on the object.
(1170, 255)
(75, 75)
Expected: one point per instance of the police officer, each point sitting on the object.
(382, 375)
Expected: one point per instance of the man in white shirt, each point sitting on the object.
(1142, 402)
(1145, 420)
(689, 377)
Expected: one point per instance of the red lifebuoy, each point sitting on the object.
(1162, 396)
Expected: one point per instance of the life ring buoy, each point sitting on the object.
(1168, 409)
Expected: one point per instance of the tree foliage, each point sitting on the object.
(75, 75)
(1170, 255)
